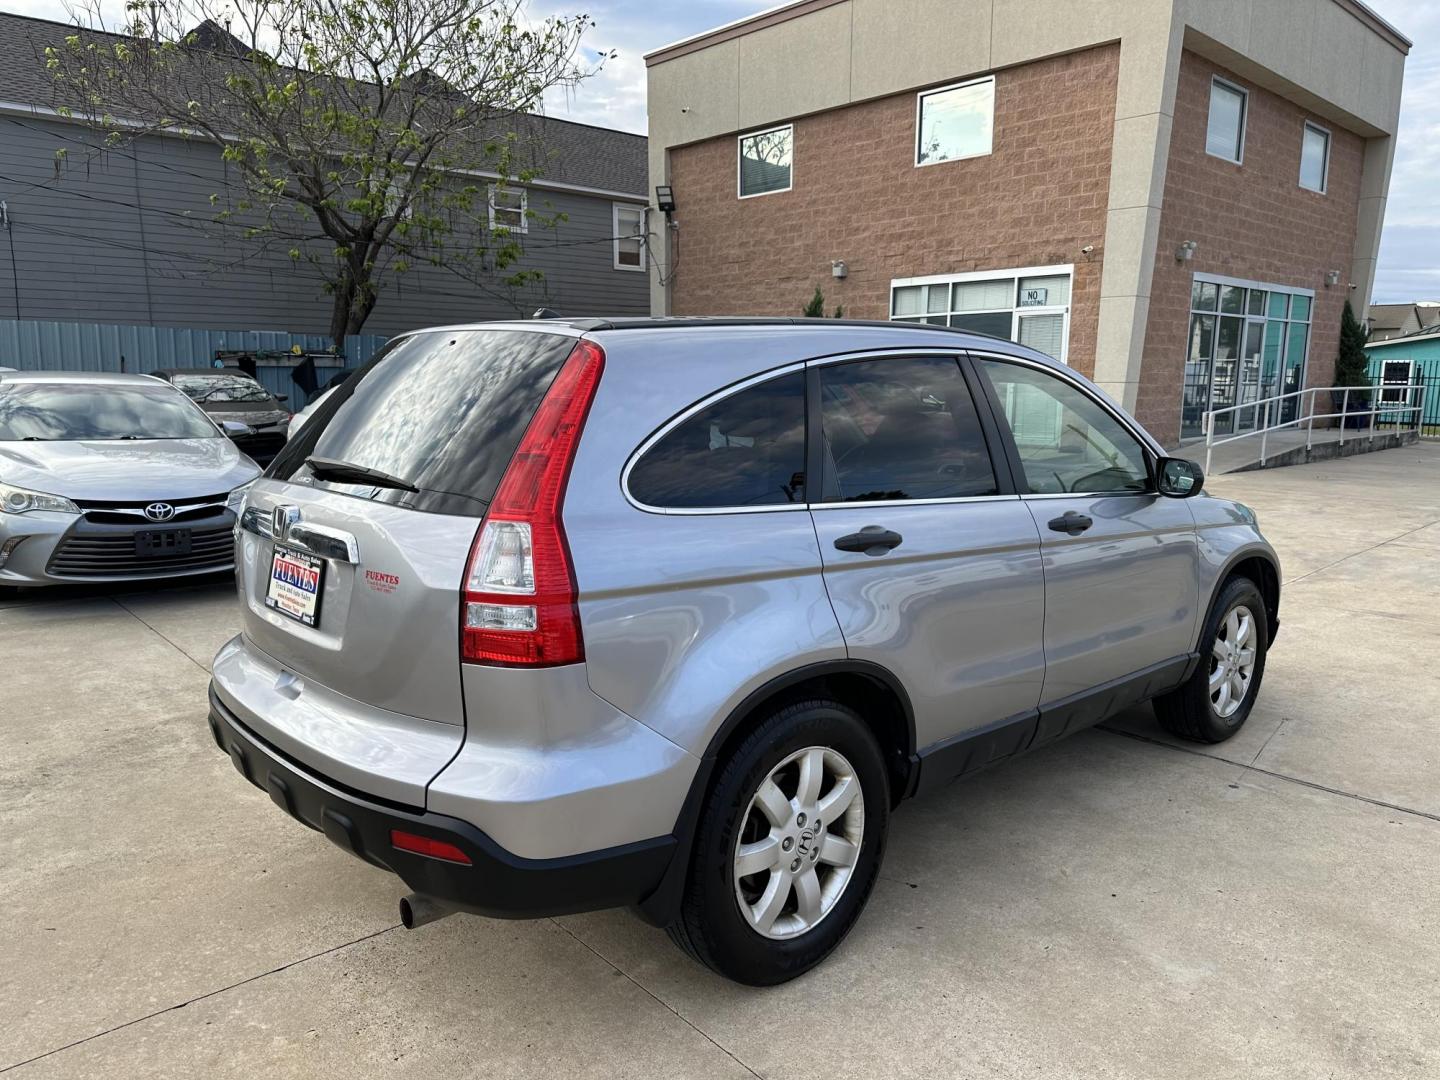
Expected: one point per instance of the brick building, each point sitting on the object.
(1174, 196)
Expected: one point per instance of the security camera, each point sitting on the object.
(1353, 285)
(1087, 249)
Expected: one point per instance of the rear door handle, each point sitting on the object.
(871, 540)
(1070, 523)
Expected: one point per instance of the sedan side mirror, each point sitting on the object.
(282, 397)
(235, 429)
(1179, 478)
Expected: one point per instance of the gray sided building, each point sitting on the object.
(126, 237)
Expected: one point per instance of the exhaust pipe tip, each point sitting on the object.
(417, 910)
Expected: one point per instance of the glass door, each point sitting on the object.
(1246, 344)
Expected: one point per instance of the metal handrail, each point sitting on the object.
(1309, 418)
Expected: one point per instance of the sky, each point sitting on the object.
(1410, 246)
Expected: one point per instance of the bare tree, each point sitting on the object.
(362, 138)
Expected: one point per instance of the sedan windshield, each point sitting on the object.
(72, 411)
(225, 387)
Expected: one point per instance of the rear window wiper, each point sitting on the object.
(346, 473)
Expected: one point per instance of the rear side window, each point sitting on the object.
(442, 411)
(745, 450)
(901, 429)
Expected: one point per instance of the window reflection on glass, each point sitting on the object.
(765, 160)
(956, 123)
(901, 429)
(1225, 133)
(1066, 441)
(746, 450)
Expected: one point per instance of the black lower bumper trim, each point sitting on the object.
(497, 883)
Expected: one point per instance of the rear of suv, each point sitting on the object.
(553, 616)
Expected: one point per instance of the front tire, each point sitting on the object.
(1214, 703)
(788, 846)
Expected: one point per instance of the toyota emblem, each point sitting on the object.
(158, 511)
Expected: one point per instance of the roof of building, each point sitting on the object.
(1394, 316)
(1423, 334)
(575, 154)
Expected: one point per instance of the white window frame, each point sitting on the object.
(617, 236)
(919, 113)
(1324, 187)
(1016, 312)
(1244, 118)
(740, 157)
(522, 209)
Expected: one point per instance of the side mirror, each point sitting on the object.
(235, 429)
(1179, 478)
(282, 397)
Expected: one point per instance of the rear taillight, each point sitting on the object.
(519, 606)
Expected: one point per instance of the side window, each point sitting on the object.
(745, 450)
(901, 429)
(1067, 441)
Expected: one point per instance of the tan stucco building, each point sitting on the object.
(1174, 196)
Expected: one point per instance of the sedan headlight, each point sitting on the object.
(235, 501)
(18, 500)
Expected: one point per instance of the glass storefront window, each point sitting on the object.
(1255, 349)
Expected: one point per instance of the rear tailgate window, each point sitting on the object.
(441, 410)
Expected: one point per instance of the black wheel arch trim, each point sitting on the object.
(662, 906)
(1227, 570)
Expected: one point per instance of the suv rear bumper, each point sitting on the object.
(496, 883)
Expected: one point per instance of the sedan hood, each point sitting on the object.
(125, 469)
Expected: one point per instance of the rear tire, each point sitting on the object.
(806, 761)
(1214, 703)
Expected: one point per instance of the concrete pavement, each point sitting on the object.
(1115, 905)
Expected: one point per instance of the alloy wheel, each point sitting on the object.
(1232, 661)
(798, 842)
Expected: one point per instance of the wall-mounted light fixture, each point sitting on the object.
(838, 268)
(665, 199)
(1332, 277)
(1186, 251)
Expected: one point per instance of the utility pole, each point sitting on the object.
(10, 235)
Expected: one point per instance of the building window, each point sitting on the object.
(629, 234)
(1248, 342)
(507, 209)
(1031, 306)
(955, 122)
(1314, 157)
(765, 161)
(1225, 137)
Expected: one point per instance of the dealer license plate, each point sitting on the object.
(297, 581)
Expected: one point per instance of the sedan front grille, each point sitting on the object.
(132, 512)
(113, 554)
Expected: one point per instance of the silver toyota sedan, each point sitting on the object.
(112, 478)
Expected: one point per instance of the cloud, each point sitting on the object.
(631, 28)
(1410, 243)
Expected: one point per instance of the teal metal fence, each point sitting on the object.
(1399, 366)
(37, 345)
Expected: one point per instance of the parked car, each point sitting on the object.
(230, 395)
(111, 478)
(547, 617)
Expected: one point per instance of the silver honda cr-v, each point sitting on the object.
(553, 616)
